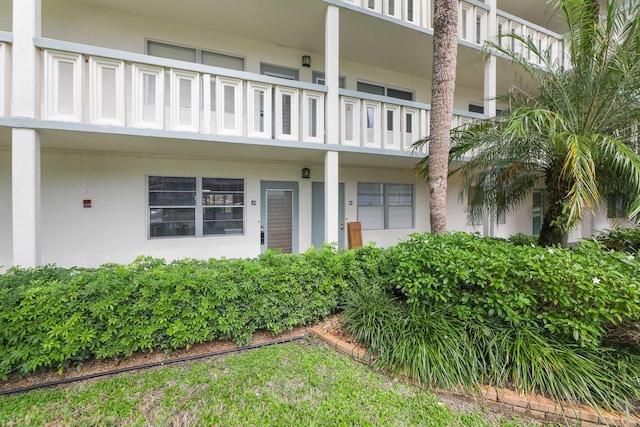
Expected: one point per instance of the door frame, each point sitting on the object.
(279, 185)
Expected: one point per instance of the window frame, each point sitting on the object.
(386, 205)
(386, 88)
(198, 207)
(198, 52)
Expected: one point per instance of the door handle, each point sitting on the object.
(262, 235)
(342, 226)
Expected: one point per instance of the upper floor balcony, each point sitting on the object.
(102, 87)
(474, 21)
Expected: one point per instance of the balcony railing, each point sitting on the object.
(473, 22)
(5, 82)
(372, 121)
(98, 86)
(86, 84)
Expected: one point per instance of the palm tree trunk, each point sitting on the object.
(551, 232)
(445, 47)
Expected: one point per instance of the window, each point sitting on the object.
(318, 78)
(279, 71)
(189, 206)
(200, 56)
(537, 214)
(385, 206)
(384, 91)
(474, 108)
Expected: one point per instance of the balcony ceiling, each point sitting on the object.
(297, 24)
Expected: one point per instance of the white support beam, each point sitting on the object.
(331, 188)
(25, 143)
(25, 195)
(490, 72)
(26, 25)
(332, 74)
(490, 89)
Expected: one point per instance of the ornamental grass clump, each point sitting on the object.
(459, 310)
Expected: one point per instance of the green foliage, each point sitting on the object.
(285, 385)
(625, 239)
(438, 349)
(51, 317)
(521, 239)
(573, 294)
(565, 127)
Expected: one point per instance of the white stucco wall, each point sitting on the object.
(384, 238)
(114, 229)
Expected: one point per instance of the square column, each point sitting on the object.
(25, 196)
(26, 25)
(331, 189)
(25, 143)
(332, 74)
(490, 79)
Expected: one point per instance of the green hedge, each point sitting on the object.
(573, 294)
(51, 317)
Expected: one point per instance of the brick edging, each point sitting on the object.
(531, 405)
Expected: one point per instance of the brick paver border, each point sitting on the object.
(504, 399)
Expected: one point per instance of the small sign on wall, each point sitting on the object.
(86, 203)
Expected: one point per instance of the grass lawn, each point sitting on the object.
(297, 384)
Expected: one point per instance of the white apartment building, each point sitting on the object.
(221, 128)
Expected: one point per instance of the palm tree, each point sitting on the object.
(575, 133)
(445, 48)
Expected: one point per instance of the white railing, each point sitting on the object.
(473, 22)
(417, 12)
(371, 121)
(542, 38)
(86, 84)
(5, 71)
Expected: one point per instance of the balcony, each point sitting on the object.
(473, 22)
(98, 86)
(102, 87)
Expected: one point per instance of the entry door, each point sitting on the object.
(279, 216)
(317, 214)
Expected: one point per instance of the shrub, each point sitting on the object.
(574, 294)
(51, 317)
(437, 349)
(521, 239)
(621, 239)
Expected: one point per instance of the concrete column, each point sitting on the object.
(490, 87)
(25, 143)
(25, 82)
(332, 74)
(25, 196)
(490, 65)
(331, 189)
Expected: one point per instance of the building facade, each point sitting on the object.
(223, 128)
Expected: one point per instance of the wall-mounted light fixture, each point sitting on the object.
(306, 61)
(306, 173)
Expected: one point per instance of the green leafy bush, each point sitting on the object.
(621, 239)
(521, 239)
(573, 294)
(439, 350)
(51, 317)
